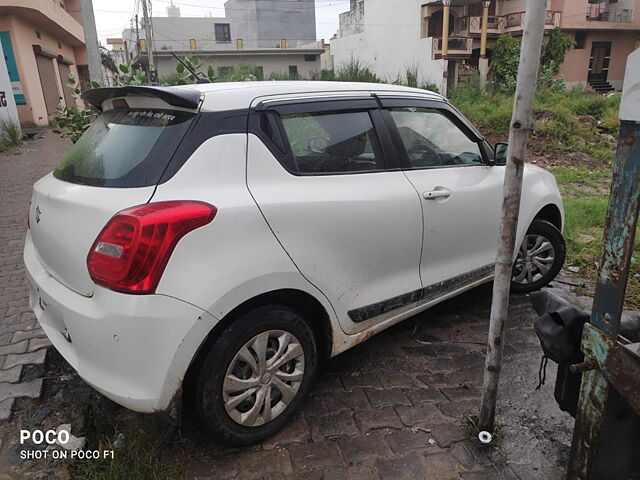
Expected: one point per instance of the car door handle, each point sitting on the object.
(433, 194)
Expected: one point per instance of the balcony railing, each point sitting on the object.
(473, 25)
(499, 25)
(600, 12)
(515, 21)
(456, 46)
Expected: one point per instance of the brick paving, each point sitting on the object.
(22, 341)
(399, 407)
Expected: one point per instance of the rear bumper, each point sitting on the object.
(135, 349)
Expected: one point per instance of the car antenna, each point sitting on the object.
(191, 70)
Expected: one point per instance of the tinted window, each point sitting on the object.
(125, 148)
(433, 140)
(333, 142)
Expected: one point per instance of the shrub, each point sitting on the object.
(241, 73)
(504, 64)
(277, 76)
(71, 123)
(328, 75)
(356, 71)
(10, 132)
(553, 54)
(127, 76)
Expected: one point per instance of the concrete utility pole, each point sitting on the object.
(520, 123)
(153, 77)
(91, 41)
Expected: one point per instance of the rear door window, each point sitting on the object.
(125, 148)
(333, 142)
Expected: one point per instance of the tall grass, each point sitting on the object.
(356, 71)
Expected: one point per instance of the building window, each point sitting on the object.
(223, 32)
(193, 44)
(581, 38)
(310, 58)
(293, 71)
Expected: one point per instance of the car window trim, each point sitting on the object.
(458, 118)
(451, 114)
(333, 105)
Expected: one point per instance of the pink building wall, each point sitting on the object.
(574, 16)
(23, 38)
(575, 68)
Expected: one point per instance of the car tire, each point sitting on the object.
(540, 257)
(255, 376)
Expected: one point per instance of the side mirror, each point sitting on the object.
(500, 153)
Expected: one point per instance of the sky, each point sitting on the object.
(113, 16)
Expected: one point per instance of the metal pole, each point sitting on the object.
(608, 302)
(149, 40)
(91, 41)
(520, 122)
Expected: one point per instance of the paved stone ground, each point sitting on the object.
(400, 406)
(22, 342)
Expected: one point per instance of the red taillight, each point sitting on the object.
(134, 247)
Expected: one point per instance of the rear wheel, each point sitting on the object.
(256, 375)
(539, 259)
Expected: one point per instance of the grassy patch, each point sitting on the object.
(565, 122)
(145, 447)
(586, 199)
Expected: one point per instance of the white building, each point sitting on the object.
(388, 38)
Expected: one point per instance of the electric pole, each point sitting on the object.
(153, 78)
(91, 41)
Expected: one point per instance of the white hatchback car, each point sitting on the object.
(213, 242)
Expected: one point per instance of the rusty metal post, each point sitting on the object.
(520, 122)
(600, 338)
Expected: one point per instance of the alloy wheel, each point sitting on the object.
(535, 259)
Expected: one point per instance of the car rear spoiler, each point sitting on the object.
(178, 97)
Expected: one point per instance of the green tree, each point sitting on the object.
(553, 55)
(504, 63)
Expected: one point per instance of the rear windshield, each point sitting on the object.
(125, 148)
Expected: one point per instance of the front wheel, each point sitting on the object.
(256, 375)
(539, 259)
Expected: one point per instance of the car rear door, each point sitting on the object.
(326, 178)
(447, 162)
